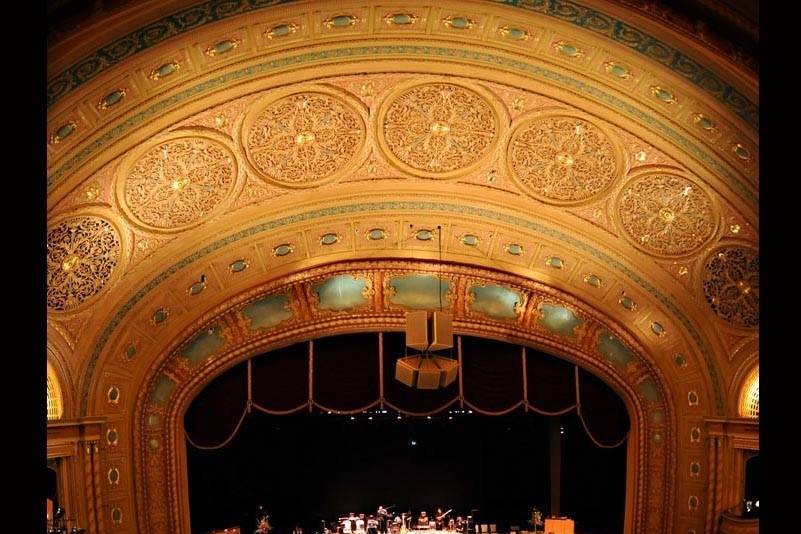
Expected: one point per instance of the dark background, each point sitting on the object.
(306, 467)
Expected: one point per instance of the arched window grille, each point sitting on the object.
(749, 397)
(55, 406)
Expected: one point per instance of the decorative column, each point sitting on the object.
(88, 480)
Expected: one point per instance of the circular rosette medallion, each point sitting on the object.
(82, 253)
(563, 159)
(730, 281)
(179, 181)
(666, 215)
(438, 130)
(303, 139)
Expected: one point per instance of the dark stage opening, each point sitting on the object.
(306, 465)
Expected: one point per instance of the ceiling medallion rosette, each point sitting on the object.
(304, 139)
(665, 214)
(82, 254)
(438, 130)
(563, 158)
(730, 280)
(178, 181)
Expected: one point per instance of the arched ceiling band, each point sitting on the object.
(439, 53)
(368, 207)
(600, 23)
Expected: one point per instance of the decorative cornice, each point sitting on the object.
(573, 13)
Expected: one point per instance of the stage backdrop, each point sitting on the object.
(262, 434)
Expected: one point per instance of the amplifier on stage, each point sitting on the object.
(560, 525)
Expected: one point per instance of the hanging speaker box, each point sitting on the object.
(406, 370)
(441, 331)
(429, 375)
(449, 370)
(417, 330)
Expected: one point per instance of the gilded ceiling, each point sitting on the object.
(187, 173)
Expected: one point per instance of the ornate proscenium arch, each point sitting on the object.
(373, 296)
(210, 163)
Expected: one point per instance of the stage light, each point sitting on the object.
(370, 418)
(428, 417)
(352, 418)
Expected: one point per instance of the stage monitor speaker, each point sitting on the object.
(417, 330)
(449, 370)
(428, 375)
(441, 331)
(406, 370)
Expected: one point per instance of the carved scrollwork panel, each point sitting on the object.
(563, 158)
(730, 281)
(304, 139)
(666, 214)
(178, 181)
(438, 130)
(82, 254)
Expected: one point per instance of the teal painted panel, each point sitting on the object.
(162, 390)
(203, 345)
(419, 292)
(495, 301)
(648, 390)
(268, 312)
(559, 320)
(614, 350)
(341, 293)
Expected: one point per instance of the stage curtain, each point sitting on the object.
(602, 410)
(280, 379)
(411, 400)
(345, 372)
(492, 374)
(215, 413)
(551, 383)
(345, 379)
